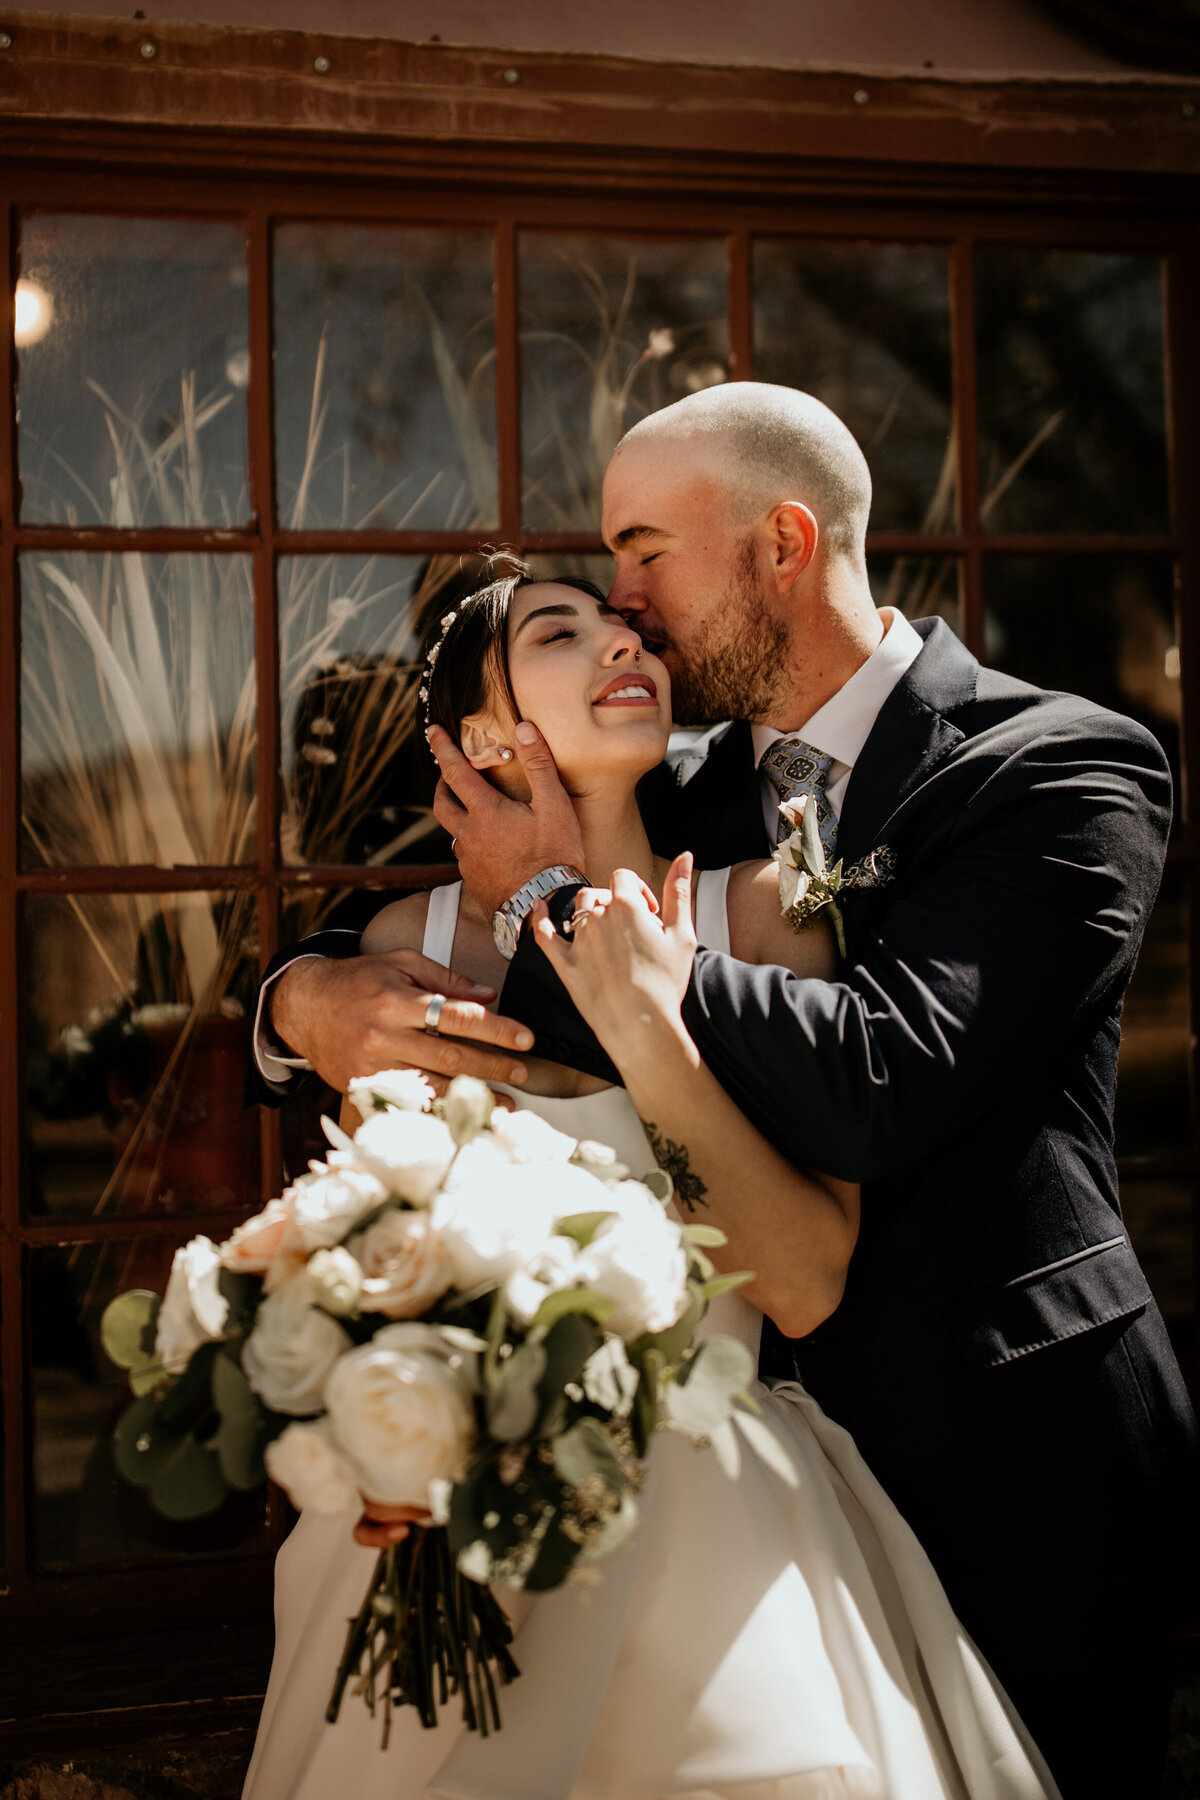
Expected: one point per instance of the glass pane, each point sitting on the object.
(137, 709)
(866, 328)
(1072, 433)
(1103, 627)
(1159, 1219)
(358, 778)
(135, 1032)
(922, 587)
(84, 1512)
(385, 393)
(1153, 1113)
(133, 367)
(611, 329)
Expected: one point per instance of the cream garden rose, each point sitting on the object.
(292, 1348)
(637, 1259)
(328, 1203)
(408, 1152)
(194, 1310)
(405, 1089)
(269, 1245)
(311, 1471)
(400, 1412)
(404, 1264)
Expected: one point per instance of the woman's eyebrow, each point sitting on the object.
(563, 610)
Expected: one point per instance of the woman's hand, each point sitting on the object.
(627, 968)
(381, 1526)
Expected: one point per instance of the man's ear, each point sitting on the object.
(483, 743)
(794, 537)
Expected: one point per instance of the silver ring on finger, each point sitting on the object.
(579, 919)
(433, 1013)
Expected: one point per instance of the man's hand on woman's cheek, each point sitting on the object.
(501, 843)
(364, 1013)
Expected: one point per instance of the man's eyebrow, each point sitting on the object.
(562, 610)
(636, 534)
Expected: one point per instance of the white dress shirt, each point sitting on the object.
(842, 726)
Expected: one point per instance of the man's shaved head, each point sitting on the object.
(768, 444)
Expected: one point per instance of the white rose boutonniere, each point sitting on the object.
(807, 886)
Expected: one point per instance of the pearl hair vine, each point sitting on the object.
(430, 660)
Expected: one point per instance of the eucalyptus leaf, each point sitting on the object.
(650, 1363)
(725, 1284)
(705, 1237)
(141, 1442)
(512, 1393)
(581, 1226)
(568, 1345)
(189, 1483)
(232, 1394)
(192, 1390)
(701, 1399)
(585, 1451)
(660, 1185)
(124, 1327)
(763, 1441)
(672, 1342)
(146, 1377)
(574, 1300)
(239, 1446)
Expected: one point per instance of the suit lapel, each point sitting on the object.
(909, 738)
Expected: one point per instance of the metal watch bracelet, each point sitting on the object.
(508, 919)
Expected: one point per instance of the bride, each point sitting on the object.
(755, 1641)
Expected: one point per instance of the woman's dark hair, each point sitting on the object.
(471, 660)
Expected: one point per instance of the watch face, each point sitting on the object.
(506, 930)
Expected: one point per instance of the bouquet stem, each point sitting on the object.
(421, 1615)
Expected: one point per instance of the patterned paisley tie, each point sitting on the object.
(794, 767)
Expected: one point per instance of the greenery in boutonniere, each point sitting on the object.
(807, 886)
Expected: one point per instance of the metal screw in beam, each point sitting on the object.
(149, 49)
(5, 40)
(512, 76)
(861, 96)
(321, 65)
(1188, 109)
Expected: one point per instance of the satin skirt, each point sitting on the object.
(754, 1641)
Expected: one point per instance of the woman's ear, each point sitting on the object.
(483, 743)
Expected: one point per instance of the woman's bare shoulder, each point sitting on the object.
(400, 926)
(759, 933)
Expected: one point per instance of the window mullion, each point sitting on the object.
(508, 382)
(962, 312)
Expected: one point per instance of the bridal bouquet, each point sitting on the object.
(460, 1310)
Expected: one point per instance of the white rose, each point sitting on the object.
(554, 1267)
(336, 1281)
(524, 1137)
(409, 1152)
(793, 810)
(194, 1310)
(467, 1108)
(637, 1259)
(329, 1203)
(495, 1217)
(400, 1412)
(291, 1349)
(315, 1476)
(405, 1089)
(404, 1265)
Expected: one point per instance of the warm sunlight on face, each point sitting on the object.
(579, 673)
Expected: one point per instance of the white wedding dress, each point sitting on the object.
(753, 1642)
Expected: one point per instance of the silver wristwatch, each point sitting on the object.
(508, 919)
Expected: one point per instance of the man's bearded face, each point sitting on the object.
(732, 664)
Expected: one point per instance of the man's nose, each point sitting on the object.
(625, 595)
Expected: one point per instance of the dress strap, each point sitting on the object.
(712, 915)
(441, 923)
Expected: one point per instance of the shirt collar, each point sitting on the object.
(842, 726)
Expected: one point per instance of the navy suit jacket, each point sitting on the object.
(997, 1355)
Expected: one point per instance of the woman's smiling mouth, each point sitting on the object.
(628, 690)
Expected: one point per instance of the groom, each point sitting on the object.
(997, 1355)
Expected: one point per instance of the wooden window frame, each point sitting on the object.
(648, 192)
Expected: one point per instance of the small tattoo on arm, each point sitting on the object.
(673, 1157)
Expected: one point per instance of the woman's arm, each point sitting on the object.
(627, 972)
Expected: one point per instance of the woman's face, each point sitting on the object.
(572, 662)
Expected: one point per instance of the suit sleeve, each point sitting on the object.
(1005, 936)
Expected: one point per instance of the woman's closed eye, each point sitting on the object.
(556, 637)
